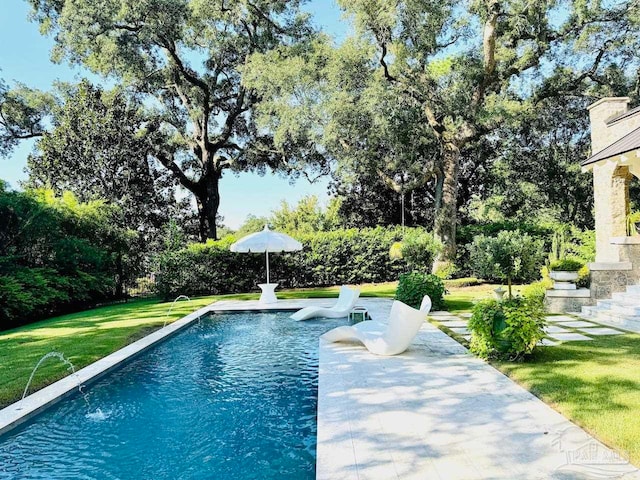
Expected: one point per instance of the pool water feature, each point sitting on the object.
(231, 396)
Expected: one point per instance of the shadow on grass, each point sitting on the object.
(595, 383)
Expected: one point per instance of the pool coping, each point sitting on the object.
(23, 410)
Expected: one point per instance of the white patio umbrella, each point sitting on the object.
(266, 241)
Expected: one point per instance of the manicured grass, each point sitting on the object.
(596, 384)
(462, 299)
(82, 337)
(85, 337)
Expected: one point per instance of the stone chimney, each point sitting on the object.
(610, 181)
(600, 112)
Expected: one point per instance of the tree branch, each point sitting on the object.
(383, 62)
(267, 19)
(229, 123)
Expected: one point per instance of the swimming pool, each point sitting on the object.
(231, 396)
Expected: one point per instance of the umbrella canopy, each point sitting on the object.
(266, 242)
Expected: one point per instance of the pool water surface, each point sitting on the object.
(231, 396)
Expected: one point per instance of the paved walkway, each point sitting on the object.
(436, 412)
(560, 328)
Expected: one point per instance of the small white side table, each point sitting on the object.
(268, 293)
(358, 314)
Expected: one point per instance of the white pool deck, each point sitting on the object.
(437, 412)
(434, 412)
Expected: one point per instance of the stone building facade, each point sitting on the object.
(615, 140)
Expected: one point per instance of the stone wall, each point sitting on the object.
(607, 279)
(565, 304)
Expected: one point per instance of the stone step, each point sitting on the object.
(632, 311)
(626, 298)
(613, 319)
(634, 289)
(619, 306)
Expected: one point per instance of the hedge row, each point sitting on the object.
(328, 258)
(56, 255)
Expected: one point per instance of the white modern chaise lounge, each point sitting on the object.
(346, 301)
(390, 338)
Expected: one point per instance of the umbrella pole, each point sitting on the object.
(267, 254)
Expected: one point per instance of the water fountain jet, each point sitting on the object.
(171, 308)
(60, 357)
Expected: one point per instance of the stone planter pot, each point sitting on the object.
(563, 276)
(563, 280)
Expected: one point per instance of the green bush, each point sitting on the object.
(412, 287)
(567, 264)
(510, 256)
(584, 277)
(536, 291)
(419, 249)
(509, 329)
(462, 282)
(467, 233)
(56, 255)
(446, 270)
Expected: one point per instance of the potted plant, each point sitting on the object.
(564, 272)
(633, 223)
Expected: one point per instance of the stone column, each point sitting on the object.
(610, 182)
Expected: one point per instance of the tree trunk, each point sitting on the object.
(447, 215)
(208, 200)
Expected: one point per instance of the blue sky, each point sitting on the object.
(24, 57)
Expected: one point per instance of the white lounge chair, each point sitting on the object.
(389, 338)
(346, 301)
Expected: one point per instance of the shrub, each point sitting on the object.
(509, 329)
(446, 270)
(584, 277)
(567, 264)
(467, 233)
(536, 291)
(56, 254)
(412, 287)
(509, 256)
(583, 244)
(419, 249)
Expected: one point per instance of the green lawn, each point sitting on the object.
(596, 384)
(461, 299)
(85, 337)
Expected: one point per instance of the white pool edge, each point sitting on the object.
(21, 411)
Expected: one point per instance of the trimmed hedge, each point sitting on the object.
(328, 258)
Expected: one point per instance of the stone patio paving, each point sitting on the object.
(437, 412)
(560, 328)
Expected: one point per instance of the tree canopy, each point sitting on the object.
(184, 58)
(96, 149)
(464, 68)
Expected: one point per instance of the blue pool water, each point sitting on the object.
(232, 396)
